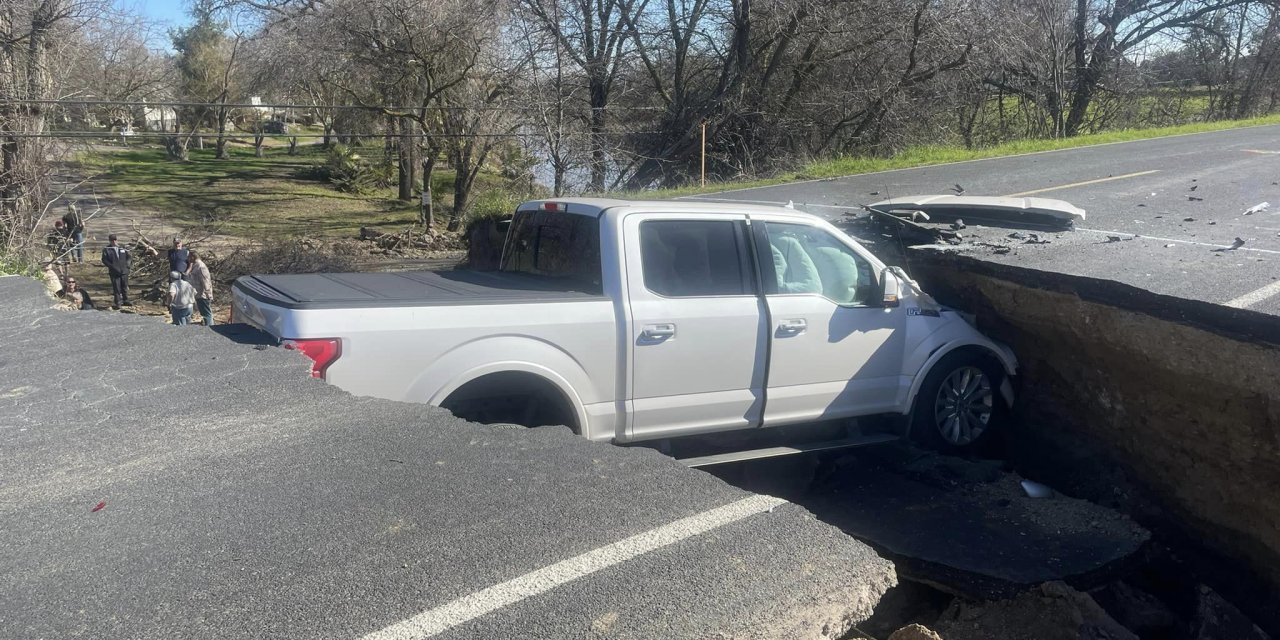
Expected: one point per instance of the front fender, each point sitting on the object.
(946, 340)
(498, 354)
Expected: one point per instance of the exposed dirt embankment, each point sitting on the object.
(1166, 408)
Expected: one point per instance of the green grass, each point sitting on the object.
(244, 195)
(931, 155)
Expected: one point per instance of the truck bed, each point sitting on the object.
(409, 289)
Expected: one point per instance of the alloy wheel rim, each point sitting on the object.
(963, 407)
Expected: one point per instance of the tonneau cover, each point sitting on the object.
(408, 289)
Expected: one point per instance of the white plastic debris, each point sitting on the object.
(1036, 490)
(1257, 208)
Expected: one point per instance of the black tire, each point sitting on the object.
(960, 414)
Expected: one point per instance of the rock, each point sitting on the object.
(1137, 610)
(1217, 619)
(1051, 611)
(915, 632)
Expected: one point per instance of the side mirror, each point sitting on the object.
(890, 288)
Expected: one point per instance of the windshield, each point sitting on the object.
(554, 244)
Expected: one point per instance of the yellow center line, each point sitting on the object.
(1081, 184)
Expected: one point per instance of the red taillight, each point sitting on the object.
(322, 351)
(551, 206)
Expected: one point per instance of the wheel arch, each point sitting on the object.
(517, 378)
(995, 351)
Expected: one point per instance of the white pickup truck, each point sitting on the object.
(631, 321)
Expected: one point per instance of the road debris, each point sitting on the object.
(1036, 490)
(98, 507)
(958, 189)
(1194, 187)
(1035, 238)
(1195, 199)
(1239, 242)
(1035, 213)
(1257, 208)
(1188, 219)
(958, 224)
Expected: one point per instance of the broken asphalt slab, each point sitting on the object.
(966, 527)
(166, 482)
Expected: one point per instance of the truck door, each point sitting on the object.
(836, 352)
(698, 336)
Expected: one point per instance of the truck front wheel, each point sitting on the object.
(958, 407)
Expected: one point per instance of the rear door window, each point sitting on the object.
(695, 258)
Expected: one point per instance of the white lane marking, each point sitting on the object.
(1081, 184)
(1190, 242)
(1254, 297)
(1263, 152)
(1016, 155)
(467, 608)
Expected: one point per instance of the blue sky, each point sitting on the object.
(173, 12)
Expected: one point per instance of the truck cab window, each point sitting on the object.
(556, 245)
(810, 260)
(692, 258)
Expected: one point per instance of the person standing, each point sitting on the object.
(180, 298)
(179, 258)
(75, 230)
(203, 285)
(117, 260)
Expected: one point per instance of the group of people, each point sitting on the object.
(190, 285)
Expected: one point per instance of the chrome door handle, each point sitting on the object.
(793, 327)
(658, 331)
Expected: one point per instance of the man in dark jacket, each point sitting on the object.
(117, 260)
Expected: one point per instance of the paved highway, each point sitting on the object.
(1176, 203)
(165, 482)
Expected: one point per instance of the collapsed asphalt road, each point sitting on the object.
(163, 482)
(1162, 213)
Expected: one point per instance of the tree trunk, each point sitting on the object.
(599, 101)
(427, 215)
(461, 159)
(221, 153)
(407, 163)
(293, 146)
(327, 141)
(557, 189)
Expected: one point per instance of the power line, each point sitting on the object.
(277, 136)
(240, 105)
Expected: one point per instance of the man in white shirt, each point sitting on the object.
(203, 285)
(181, 297)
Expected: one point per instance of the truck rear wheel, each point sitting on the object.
(511, 398)
(958, 407)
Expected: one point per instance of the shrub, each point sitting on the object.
(347, 170)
